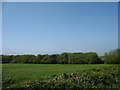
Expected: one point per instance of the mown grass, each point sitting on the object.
(18, 75)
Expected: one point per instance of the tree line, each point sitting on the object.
(65, 58)
(112, 57)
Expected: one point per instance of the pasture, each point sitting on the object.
(21, 73)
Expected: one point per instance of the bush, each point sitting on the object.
(7, 58)
(112, 57)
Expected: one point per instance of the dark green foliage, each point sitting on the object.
(64, 58)
(8, 81)
(45, 60)
(24, 59)
(39, 58)
(7, 58)
(84, 58)
(112, 57)
(92, 58)
(53, 59)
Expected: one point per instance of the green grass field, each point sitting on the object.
(26, 72)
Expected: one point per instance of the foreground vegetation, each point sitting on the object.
(60, 76)
(66, 70)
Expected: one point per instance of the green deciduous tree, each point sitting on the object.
(112, 57)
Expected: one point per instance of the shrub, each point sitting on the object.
(112, 57)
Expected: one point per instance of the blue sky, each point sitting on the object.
(48, 28)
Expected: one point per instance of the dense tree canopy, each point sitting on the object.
(7, 58)
(64, 58)
(112, 57)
